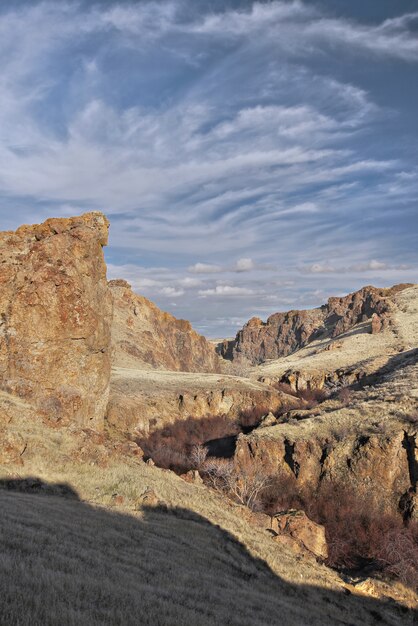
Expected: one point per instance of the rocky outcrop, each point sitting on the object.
(143, 336)
(145, 401)
(306, 533)
(367, 445)
(283, 333)
(55, 316)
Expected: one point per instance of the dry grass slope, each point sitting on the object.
(66, 562)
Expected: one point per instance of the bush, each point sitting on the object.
(312, 397)
(345, 396)
(358, 533)
(244, 485)
(250, 418)
(173, 447)
(285, 388)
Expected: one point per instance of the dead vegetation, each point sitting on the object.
(359, 535)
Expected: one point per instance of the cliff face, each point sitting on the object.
(143, 336)
(55, 316)
(145, 400)
(368, 445)
(283, 333)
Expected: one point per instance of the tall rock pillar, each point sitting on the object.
(55, 318)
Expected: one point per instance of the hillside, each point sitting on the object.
(283, 333)
(145, 337)
(98, 386)
(101, 537)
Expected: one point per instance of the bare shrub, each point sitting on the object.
(171, 447)
(285, 388)
(198, 455)
(399, 553)
(358, 532)
(250, 418)
(312, 397)
(345, 396)
(243, 485)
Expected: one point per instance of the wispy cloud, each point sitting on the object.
(263, 145)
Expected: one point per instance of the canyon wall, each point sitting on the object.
(368, 444)
(55, 318)
(283, 333)
(143, 336)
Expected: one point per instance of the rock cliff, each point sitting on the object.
(55, 316)
(368, 444)
(283, 333)
(143, 336)
(144, 401)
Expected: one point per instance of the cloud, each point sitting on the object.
(269, 145)
(226, 290)
(244, 265)
(204, 268)
(368, 266)
(171, 292)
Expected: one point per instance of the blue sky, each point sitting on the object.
(251, 156)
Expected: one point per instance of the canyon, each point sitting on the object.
(88, 368)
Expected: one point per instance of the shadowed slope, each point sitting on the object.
(64, 561)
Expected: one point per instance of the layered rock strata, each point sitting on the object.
(145, 401)
(368, 445)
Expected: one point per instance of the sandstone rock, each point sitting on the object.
(373, 465)
(193, 476)
(55, 315)
(304, 531)
(366, 447)
(292, 544)
(143, 336)
(284, 333)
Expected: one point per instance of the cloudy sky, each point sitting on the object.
(251, 156)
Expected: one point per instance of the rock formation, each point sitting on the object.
(144, 401)
(368, 445)
(55, 315)
(143, 336)
(306, 533)
(283, 333)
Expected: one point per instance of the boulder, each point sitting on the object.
(302, 530)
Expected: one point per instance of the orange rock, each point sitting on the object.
(301, 529)
(55, 315)
(143, 336)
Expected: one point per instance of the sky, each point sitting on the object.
(252, 157)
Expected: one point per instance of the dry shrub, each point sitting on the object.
(312, 397)
(244, 485)
(251, 418)
(358, 533)
(345, 396)
(171, 447)
(285, 388)
(198, 455)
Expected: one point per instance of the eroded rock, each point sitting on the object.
(303, 530)
(283, 333)
(55, 315)
(143, 336)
